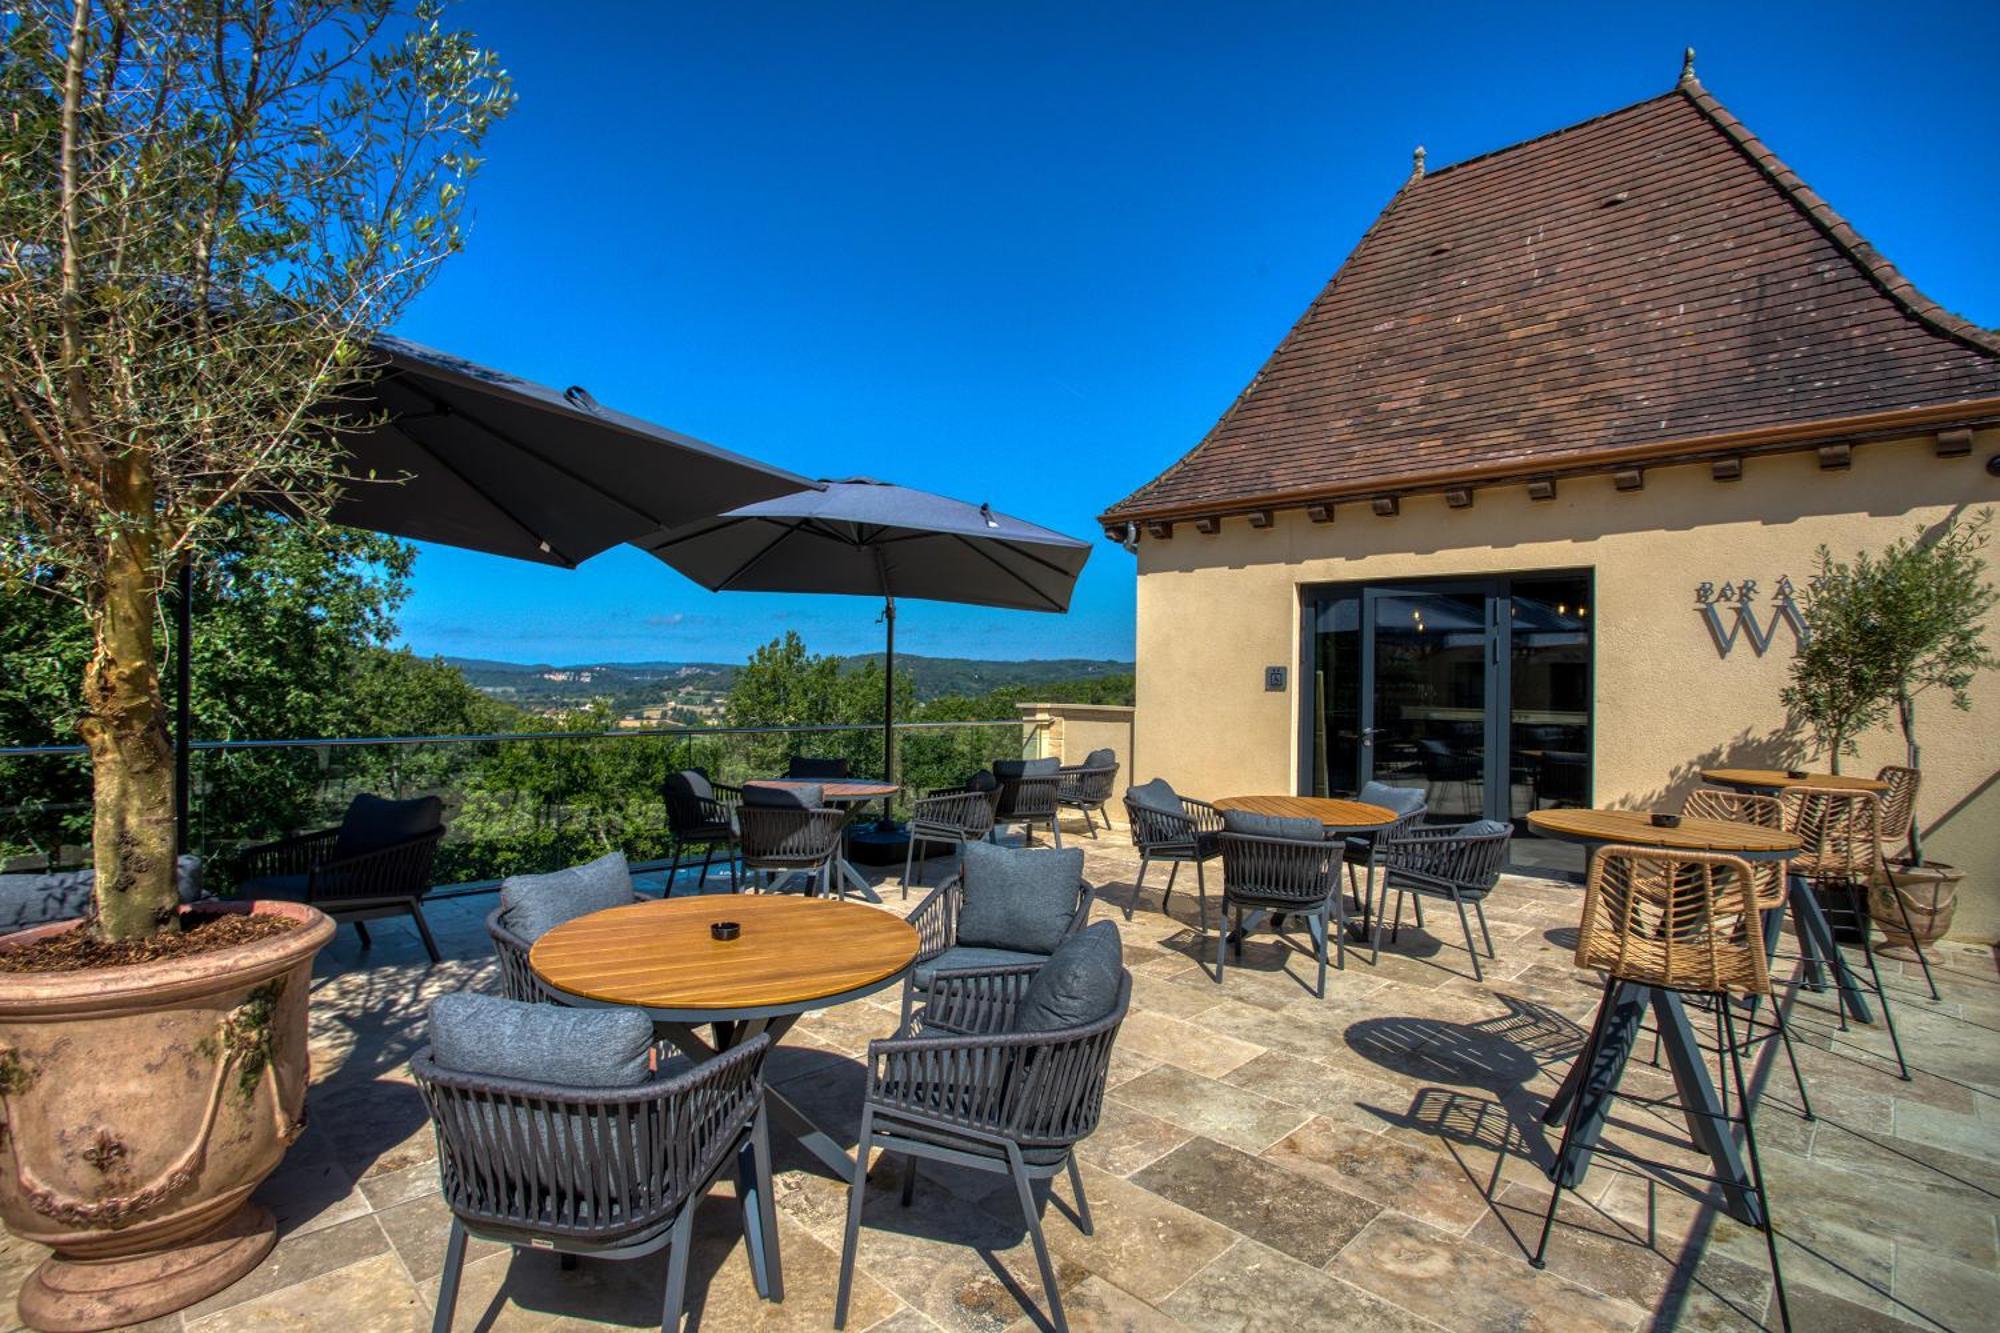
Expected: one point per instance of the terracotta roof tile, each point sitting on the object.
(1651, 276)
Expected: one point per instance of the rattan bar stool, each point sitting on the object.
(1899, 816)
(1660, 925)
(1842, 834)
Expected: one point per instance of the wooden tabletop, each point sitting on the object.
(1329, 811)
(1636, 828)
(659, 954)
(844, 790)
(1777, 779)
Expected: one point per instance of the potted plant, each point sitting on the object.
(208, 210)
(1882, 630)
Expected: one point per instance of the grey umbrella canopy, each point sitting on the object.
(875, 539)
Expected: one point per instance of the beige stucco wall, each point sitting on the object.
(1071, 731)
(1215, 610)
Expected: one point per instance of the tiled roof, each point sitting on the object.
(1649, 277)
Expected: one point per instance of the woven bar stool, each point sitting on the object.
(1660, 925)
(1899, 815)
(1842, 834)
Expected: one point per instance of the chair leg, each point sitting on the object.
(1465, 924)
(1903, 909)
(1138, 885)
(431, 945)
(1585, 1060)
(909, 1181)
(454, 1261)
(1221, 940)
(1032, 1215)
(1756, 1166)
(766, 1221)
(1167, 894)
(1785, 1036)
(677, 1269)
(909, 863)
(707, 858)
(1861, 926)
(673, 869)
(1055, 831)
(1083, 1222)
(1316, 927)
(1201, 891)
(857, 1189)
(361, 929)
(1479, 910)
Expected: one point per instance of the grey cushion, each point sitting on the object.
(1480, 828)
(1400, 799)
(372, 823)
(1077, 986)
(1156, 796)
(807, 766)
(793, 796)
(1101, 759)
(541, 1043)
(537, 904)
(982, 781)
(1273, 826)
(1019, 898)
(37, 897)
(963, 958)
(697, 783)
(1005, 769)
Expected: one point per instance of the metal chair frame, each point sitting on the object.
(1899, 813)
(1286, 877)
(1190, 836)
(956, 815)
(707, 822)
(1443, 861)
(388, 881)
(785, 842)
(1087, 790)
(935, 920)
(1028, 800)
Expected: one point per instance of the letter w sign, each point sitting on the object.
(1746, 625)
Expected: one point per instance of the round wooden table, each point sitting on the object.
(1334, 814)
(843, 791)
(1636, 828)
(794, 954)
(1769, 781)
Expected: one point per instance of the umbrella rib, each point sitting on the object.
(1002, 566)
(785, 530)
(480, 423)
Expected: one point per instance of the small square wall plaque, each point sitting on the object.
(1274, 678)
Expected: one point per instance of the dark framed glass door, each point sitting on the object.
(1477, 691)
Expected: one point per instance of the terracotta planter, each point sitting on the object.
(1929, 893)
(142, 1105)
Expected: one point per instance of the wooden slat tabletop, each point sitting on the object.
(1328, 810)
(1636, 828)
(1777, 779)
(833, 791)
(660, 955)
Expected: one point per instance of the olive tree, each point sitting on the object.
(207, 209)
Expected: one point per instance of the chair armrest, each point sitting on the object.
(1086, 896)
(299, 854)
(936, 918)
(964, 1081)
(400, 870)
(963, 1002)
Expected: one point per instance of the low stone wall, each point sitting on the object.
(1070, 731)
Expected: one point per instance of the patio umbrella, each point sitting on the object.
(875, 539)
(464, 455)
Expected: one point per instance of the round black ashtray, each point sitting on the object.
(1797, 773)
(1666, 821)
(724, 930)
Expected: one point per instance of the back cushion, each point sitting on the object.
(491, 1037)
(1400, 799)
(537, 904)
(982, 781)
(1005, 769)
(791, 796)
(1480, 828)
(372, 823)
(1019, 898)
(697, 783)
(1273, 826)
(1078, 985)
(1156, 796)
(1101, 759)
(806, 766)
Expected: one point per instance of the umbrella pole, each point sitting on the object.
(889, 699)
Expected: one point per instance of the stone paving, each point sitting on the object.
(1266, 1161)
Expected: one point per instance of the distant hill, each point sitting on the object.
(934, 676)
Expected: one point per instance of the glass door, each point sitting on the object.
(1426, 703)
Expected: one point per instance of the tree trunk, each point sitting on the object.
(1906, 713)
(132, 764)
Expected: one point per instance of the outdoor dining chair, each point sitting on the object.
(1028, 791)
(1457, 862)
(554, 1132)
(376, 863)
(810, 768)
(1087, 787)
(1002, 1071)
(1363, 849)
(1167, 826)
(954, 815)
(532, 905)
(785, 831)
(1286, 867)
(1007, 906)
(1899, 815)
(700, 814)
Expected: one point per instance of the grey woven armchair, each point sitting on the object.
(610, 1172)
(531, 905)
(376, 864)
(955, 815)
(1088, 786)
(959, 1084)
(700, 813)
(1363, 849)
(1167, 826)
(1286, 867)
(1458, 862)
(1028, 790)
(1027, 938)
(785, 831)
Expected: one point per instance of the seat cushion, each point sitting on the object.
(537, 904)
(1077, 986)
(1157, 796)
(372, 823)
(1402, 800)
(1005, 769)
(966, 958)
(1273, 826)
(37, 897)
(790, 796)
(1018, 898)
(488, 1036)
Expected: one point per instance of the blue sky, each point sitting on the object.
(1026, 253)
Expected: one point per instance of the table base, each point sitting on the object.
(784, 1115)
